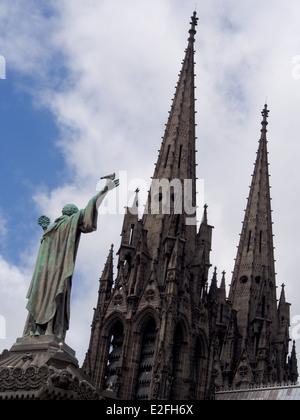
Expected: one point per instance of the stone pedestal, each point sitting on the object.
(43, 368)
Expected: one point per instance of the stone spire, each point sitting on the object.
(107, 278)
(175, 170)
(253, 287)
(293, 365)
(262, 328)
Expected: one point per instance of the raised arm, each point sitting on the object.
(89, 215)
(110, 185)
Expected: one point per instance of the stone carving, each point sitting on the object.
(43, 383)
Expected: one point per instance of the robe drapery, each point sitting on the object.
(49, 290)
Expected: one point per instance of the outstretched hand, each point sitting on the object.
(112, 183)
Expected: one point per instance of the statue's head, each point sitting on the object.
(69, 209)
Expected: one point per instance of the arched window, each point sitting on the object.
(146, 361)
(200, 368)
(180, 365)
(114, 357)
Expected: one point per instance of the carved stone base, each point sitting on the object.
(43, 368)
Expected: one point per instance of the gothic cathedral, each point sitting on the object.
(161, 329)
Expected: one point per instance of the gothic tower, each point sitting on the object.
(254, 347)
(152, 330)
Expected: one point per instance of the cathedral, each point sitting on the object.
(163, 329)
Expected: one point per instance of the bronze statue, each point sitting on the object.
(49, 291)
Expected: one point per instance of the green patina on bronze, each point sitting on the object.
(49, 292)
(44, 222)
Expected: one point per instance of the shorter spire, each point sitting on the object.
(107, 274)
(134, 209)
(223, 283)
(282, 296)
(293, 365)
(213, 291)
(204, 218)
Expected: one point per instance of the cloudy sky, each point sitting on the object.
(87, 92)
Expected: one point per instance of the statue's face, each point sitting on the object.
(69, 209)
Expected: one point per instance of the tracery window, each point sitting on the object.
(146, 361)
(114, 357)
(180, 362)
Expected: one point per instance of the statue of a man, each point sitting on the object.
(49, 291)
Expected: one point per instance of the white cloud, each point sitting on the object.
(14, 282)
(122, 60)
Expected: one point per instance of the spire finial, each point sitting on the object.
(282, 295)
(135, 205)
(194, 18)
(264, 123)
(204, 218)
(265, 111)
(194, 23)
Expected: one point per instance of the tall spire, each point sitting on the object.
(176, 161)
(173, 161)
(159, 309)
(253, 288)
